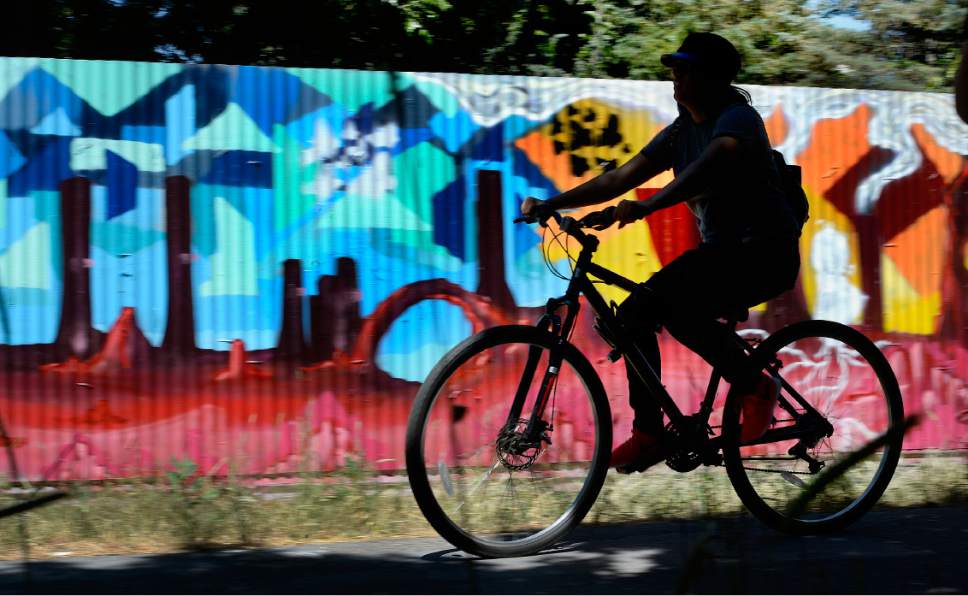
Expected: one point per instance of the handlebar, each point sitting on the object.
(541, 219)
(568, 225)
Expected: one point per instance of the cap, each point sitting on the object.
(709, 51)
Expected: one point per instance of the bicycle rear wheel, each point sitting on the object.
(847, 380)
(477, 481)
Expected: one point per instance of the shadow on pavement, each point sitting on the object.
(891, 551)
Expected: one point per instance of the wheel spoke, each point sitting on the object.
(484, 478)
(465, 407)
(848, 382)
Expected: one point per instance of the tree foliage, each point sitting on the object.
(774, 38)
(909, 44)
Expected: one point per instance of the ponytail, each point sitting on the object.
(741, 95)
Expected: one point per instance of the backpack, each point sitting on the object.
(790, 182)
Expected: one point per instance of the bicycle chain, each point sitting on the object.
(779, 471)
(775, 471)
(723, 465)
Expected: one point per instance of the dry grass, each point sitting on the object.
(189, 512)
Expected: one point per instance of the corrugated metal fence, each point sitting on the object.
(254, 267)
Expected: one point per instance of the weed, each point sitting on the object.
(189, 510)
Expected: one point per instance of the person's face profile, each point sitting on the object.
(690, 82)
(683, 80)
(680, 70)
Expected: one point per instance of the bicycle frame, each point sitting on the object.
(625, 345)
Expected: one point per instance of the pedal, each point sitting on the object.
(712, 458)
(793, 479)
(444, 474)
(631, 469)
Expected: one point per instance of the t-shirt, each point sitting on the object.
(746, 204)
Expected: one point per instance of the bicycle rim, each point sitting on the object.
(481, 491)
(847, 380)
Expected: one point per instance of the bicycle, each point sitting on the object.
(509, 438)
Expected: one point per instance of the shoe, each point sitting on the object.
(640, 451)
(758, 406)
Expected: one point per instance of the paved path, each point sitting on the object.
(895, 551)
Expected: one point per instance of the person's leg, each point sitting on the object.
(687, 296)
(648, 414)
(704, 284)
(644, 447)
(738, 278)
(715, 343)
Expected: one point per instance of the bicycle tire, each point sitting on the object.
(824, 333)
(417, 468)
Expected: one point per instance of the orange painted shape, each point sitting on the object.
(948, 163)
(116, 352)
(114, 355)
(556, 167)
(777, 126)
(918, 251)
(836, 145)
(238, 368)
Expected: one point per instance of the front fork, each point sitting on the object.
(538, 429)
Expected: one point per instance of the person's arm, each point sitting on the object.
(609, 185)
(719, 156)
(653, 159)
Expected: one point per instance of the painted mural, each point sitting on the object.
(254, 268)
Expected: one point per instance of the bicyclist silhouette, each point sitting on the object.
(719, 152)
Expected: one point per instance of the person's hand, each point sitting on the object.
(627, 212)
(599, 220)
(532, 207)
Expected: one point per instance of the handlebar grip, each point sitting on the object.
(541, 217)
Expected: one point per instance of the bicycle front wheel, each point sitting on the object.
(842, 375)
(491, 477)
